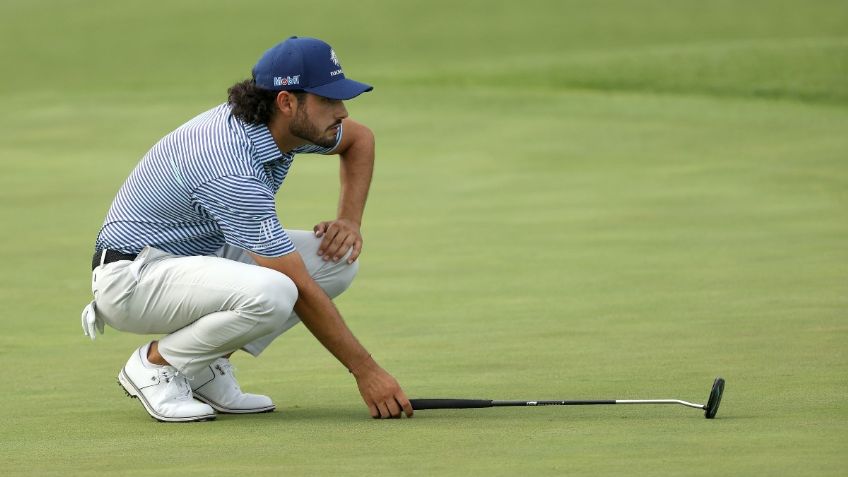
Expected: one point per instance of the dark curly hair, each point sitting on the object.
(253, 104)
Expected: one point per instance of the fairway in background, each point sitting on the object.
(573, 200)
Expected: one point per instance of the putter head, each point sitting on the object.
(711, 408)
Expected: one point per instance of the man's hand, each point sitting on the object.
(381, 392)
(339, 235)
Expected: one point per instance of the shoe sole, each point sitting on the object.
(226, 410)
(133, 392)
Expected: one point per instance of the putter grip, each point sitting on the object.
(419, 404)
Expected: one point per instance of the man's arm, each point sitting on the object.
(356, 151)
(380, 391)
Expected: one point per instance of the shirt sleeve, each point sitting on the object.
(313, 149)
(244, 209)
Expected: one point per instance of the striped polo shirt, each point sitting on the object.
(211, 181)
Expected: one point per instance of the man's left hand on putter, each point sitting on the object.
(381, 392)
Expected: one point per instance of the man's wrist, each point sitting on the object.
(363, 366)
(349, 218)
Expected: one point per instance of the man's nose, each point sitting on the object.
(341, 111)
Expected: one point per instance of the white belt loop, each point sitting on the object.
(102, 257)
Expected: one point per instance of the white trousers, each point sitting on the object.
(209, 306)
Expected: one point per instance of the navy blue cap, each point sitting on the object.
(308, 64)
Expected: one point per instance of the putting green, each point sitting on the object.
(573, 200)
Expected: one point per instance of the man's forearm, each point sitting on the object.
(356, 169)
(320, 316)
(317, 311)
(380, 391)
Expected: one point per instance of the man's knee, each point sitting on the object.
(271, 301)
(347, 275)
(339, 278)
(282, 295)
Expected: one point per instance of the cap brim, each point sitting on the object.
(341, 89)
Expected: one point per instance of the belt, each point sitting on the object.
(102, 257)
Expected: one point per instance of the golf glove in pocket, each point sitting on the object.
(91, 323)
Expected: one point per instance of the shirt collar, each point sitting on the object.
(264, 147)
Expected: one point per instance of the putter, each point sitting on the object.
(710, 408)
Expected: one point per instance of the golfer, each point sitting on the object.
(192, 247)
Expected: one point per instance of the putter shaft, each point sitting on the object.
(481, 403)
(710, 408)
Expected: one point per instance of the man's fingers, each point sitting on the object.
(357, 249)
(383, 395)
(332, 249)
(319, 229)
(342, 242)
(404, 403)
(343, 248)
(338, 238)
(329, 235)
(384, 411)
(394, 408)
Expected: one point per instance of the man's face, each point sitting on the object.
(317, 120)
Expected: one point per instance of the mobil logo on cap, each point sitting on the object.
(286, 80)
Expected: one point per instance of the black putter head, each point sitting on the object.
(715, 398)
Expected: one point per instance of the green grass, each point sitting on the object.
(602, 199)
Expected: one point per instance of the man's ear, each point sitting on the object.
(286, 103)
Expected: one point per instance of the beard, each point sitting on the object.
(304, 129)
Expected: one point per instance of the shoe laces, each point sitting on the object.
(177, 384)
(224, 366)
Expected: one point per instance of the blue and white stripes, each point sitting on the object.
(209, 182)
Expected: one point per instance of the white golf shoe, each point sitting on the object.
(164, 393)
(217, 386)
